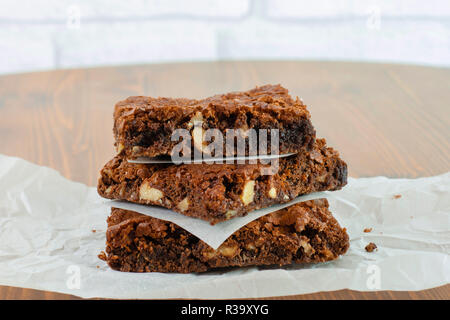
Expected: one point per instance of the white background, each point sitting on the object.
(52, 34)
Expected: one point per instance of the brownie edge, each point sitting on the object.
(303, 233)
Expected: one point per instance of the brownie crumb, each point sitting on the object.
(102, 256)
(94, 231)
(366, 230)
(397, 196)
(370, 247)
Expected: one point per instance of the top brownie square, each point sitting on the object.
(143, 126)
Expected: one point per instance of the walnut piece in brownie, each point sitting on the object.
(143, 126)
(218, 192)
(303, 233)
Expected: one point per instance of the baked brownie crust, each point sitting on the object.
(217, 192)
(303, 233)
(143, 125)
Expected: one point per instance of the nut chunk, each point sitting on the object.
(303, 233)
(148, 193)
(248, 193)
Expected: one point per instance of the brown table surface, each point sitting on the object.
(390, 120)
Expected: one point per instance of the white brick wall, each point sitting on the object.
(401, 42)
(26, 48)
(141, 42)
(49, 34)
(357, 8)
(42, 10)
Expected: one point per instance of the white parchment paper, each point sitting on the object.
(213, 235)
(149, 160)
(47, 242)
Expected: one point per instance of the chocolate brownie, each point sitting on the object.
(217, 192)
(303, 233)
(143, 126)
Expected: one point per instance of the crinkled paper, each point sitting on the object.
(52, 229)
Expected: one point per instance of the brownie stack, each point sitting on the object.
(302, 233)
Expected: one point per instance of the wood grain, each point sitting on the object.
(390, 120)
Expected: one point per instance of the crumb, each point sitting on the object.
(98, 267)
(370, 247)
(397, 196)
(366, 230)
(94, 231)
(102, 256)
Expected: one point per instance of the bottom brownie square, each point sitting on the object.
(303, 233)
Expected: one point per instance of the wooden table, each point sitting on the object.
(391, 120)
